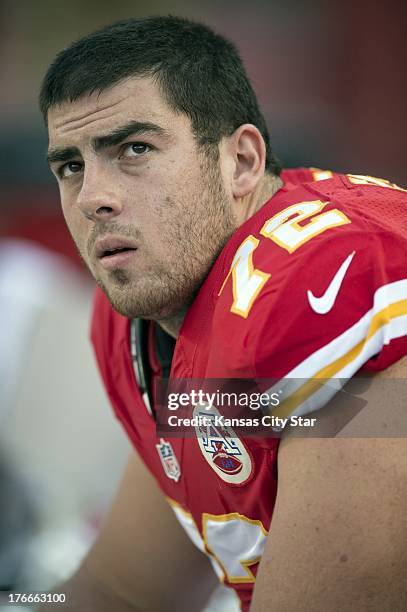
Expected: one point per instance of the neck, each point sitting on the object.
(172, 325)
(265, 190)
(247, 206)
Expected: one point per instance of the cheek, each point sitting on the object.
(76, 224)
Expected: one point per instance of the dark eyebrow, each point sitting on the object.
(133, 128)
(114, 137)
(61, 155)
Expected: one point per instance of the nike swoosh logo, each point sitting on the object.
(325, 302)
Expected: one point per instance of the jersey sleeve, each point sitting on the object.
(335, 305)
(316, 353)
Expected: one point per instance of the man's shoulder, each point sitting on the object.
(310, 278)
(344, 186)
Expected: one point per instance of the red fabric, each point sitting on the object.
(280, 332)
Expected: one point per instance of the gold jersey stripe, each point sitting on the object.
(379, 320)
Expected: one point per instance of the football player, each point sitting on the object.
(213, 264)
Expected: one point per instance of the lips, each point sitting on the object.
(113, 245)
(116, 252)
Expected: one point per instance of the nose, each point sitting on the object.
(99, 198)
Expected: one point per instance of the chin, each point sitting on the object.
(135, 303)
(136, 311)
(153, 296)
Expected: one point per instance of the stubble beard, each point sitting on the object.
(170, 287)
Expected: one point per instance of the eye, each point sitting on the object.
(134, 149)
(69, 169)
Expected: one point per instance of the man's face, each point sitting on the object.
(146, 208)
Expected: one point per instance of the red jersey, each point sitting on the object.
(310, 287)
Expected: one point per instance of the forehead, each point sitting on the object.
(136, 99)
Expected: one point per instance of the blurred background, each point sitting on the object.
(330, 77)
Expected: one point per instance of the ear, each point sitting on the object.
(248, 151)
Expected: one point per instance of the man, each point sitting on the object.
(175, 201)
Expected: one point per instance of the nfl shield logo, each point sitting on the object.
(168, 460)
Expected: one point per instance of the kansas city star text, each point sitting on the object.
(222, 421)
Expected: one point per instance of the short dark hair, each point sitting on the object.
(200, 74)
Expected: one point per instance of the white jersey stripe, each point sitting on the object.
(344, 356)
(321, 396)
